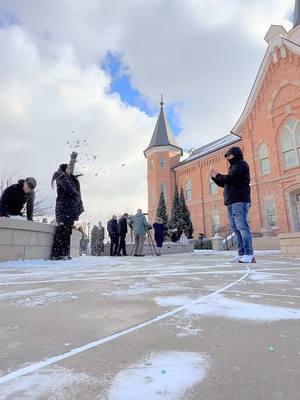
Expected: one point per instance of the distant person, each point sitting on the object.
(45, 221)
(114, 234)
(237, 198)
(16, 196)
(67, 210)
(123, 229)
(159, 234)
(139, 226)
(97, 240)
(83, 244)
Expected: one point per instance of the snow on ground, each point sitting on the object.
(263, 277)
(166, 376)
(51, 384)
(220, 305)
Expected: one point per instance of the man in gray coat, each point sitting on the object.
(139, 226)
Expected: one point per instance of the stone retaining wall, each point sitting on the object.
(290, 244)
(26, 240)
(168, 248)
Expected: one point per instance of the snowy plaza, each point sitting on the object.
(191, 326)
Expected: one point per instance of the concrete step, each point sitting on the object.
(266, 243)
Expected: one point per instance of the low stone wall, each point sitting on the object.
(26, 240)
(290, 244)
(168, 248)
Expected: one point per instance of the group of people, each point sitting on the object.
(69, 206)
(118, 229)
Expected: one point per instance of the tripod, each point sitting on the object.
(151, 244)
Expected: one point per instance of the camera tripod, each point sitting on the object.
(151, 244)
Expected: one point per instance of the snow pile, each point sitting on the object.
(225, 307)
(166, 376)
(50, 384)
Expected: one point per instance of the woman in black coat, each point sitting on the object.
(67, 210)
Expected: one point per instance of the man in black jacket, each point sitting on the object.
(237, 198)
(16, 196)
(123, 229)
(114, 234)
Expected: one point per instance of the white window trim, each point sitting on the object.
(296, 147)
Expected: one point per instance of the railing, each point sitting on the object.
(229, 241)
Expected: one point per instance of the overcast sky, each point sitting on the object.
(89, 73)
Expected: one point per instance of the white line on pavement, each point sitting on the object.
(53, 360)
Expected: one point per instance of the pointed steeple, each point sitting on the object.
(162, 135)
(297, 13)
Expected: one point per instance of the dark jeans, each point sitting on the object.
(62, 241)
(114, 245)
(122, 245)
(238, 219)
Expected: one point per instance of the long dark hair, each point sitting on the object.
(61, 170)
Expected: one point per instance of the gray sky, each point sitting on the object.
(202, 54)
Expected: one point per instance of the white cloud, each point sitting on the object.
(203, 54)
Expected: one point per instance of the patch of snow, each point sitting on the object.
(263, 277)
(166, 376)
(50, 384)
(19, 293)
(220, 305)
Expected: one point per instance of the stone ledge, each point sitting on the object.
(290, 244)
(26, 240)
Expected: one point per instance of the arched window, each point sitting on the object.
(264, 162)
(213, 188)
(271, 217)
(290, 143)
(162, 161)
(163, 188)
(188, 190)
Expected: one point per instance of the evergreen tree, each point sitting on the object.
(185, 215)
(162, 209)
(176, 220)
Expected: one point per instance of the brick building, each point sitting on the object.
(269, 133)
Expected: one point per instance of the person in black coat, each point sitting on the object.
(114, 234)
(237, 198)
(67, 210)
(16, 196)
(160, 230)
(123, 229)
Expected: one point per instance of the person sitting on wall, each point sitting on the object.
(16, 196)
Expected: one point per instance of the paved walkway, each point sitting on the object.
(176, 327)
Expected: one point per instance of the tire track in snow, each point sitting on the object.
(55, 359)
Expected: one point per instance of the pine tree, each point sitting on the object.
(162, 209)
(185, 215)
(175, 222)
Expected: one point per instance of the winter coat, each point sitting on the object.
(236, 183)
(123, 229)
(113, 228)
(13, 200)
(68, 202)
(159, 233)
(139, 224)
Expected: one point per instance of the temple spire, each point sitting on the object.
(297, 13)
(163, 135)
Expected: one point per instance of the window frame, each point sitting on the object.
(293, 132)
